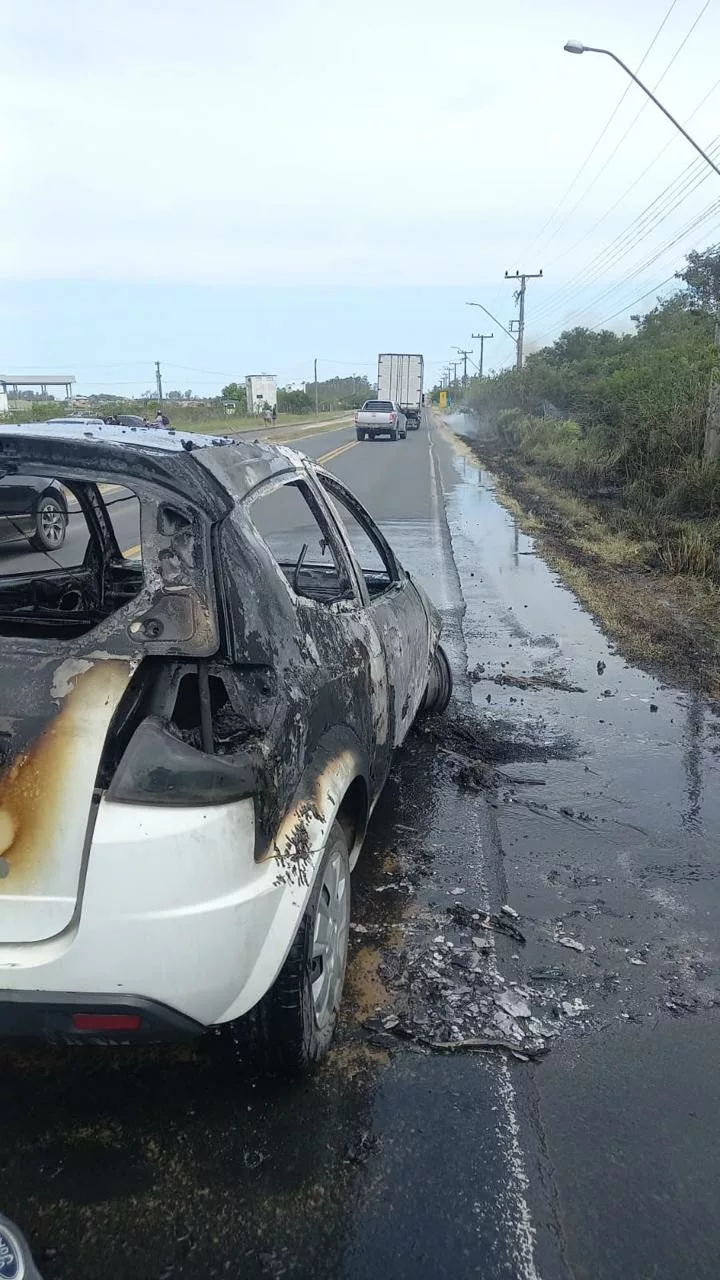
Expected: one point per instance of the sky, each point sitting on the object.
(245, 185)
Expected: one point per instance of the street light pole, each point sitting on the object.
(576, 46)
(711, 447)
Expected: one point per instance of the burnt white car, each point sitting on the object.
(193, 741)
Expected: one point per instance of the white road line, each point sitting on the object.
(521, 1232)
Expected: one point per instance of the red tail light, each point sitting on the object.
(393, 417)
(356, 417)
(106, 1021)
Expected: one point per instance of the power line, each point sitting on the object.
(692, 177)
(601, 135)
(634, 303)
(623, 254)
(635, 181)
(577, 315)
(630, 127)
(709, 211)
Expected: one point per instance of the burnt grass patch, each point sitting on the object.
(666, 622)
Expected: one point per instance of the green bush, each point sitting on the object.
(631, 409)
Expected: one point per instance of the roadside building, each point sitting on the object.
(261, 391)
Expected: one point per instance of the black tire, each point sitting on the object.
(50, 524)
(439, 686)
(360, 435)
(393, 435)
(283, 1032)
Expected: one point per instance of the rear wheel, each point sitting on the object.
(292, 1027)
(50, 525)
(360, 435)
(393, 435)
(439, 686)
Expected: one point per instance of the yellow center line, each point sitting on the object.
(132, 553)
(335, 453)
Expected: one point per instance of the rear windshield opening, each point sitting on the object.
(60, 574)
(378, 406)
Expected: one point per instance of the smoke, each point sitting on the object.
(468, 423)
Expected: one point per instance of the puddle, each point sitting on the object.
(634, 800)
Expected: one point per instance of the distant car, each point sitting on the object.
(33, 509)
(75, 422)
(380, 418)
(130, 420)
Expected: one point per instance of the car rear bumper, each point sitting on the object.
(58, 1016)
(175, 912)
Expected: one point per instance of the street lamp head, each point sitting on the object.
(574, 46)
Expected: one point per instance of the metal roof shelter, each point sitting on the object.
(41, 380)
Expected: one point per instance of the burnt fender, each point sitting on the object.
(338, 760)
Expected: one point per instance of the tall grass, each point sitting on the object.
(676, 508)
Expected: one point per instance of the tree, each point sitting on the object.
(235, 391)
(581, 344)
(293, 401)
(702, 279)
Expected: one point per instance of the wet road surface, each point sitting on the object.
(588, 813)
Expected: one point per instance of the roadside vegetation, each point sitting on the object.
(601, 441)
(203, 416)
(226, 412)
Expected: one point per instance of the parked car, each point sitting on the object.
(33, 509)
(131, 420)
(194, 742)
(380, 418)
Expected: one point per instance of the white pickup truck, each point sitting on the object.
(380, 418)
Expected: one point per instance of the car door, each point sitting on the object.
(391, 602)
(341, 674)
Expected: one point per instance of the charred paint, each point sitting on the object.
(46, 792)
(303, 829)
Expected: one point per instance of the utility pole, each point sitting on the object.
(711, 449)
(464, 355)
(523, 277)
(316, 390)
(158, 379)
(482, 337)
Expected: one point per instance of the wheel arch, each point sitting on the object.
(53, 491)
(334, 785)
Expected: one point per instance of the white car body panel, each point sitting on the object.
(176, 909)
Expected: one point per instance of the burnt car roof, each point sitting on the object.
(150, 453)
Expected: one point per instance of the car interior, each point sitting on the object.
(67, 592)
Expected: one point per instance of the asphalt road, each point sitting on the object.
(600, 1160)
(19, 557)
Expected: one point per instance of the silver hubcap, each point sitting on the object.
(52, 525)
(330, 939)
